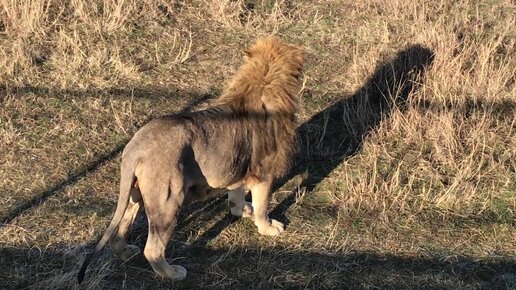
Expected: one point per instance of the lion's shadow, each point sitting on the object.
(336, 133)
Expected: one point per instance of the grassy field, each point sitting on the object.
(406, 171)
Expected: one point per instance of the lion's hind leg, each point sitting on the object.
(162, 208)
(118, 243)
(237, 204)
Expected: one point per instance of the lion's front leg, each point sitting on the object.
(260, 193)
(237, 204)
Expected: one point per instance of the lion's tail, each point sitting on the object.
(127, 179)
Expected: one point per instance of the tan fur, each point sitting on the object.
(243, 142)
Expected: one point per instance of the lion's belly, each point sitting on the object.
(203, 192)
(222, 168)
(223, 178)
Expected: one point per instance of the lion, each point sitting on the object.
(242, 142)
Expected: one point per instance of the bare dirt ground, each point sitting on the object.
(405, 177)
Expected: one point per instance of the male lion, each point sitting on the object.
(243, 142)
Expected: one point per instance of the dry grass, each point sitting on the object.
(406, 171)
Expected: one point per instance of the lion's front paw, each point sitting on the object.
(274, 228)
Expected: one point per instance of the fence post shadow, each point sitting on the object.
(336, 133)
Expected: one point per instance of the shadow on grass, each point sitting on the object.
(81, 172)
(343, 125)
(250, 268)
(334, 134)
(326, 140)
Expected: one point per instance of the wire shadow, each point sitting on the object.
(334, 134)
(81, 172)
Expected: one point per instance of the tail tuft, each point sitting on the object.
(82, 271)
